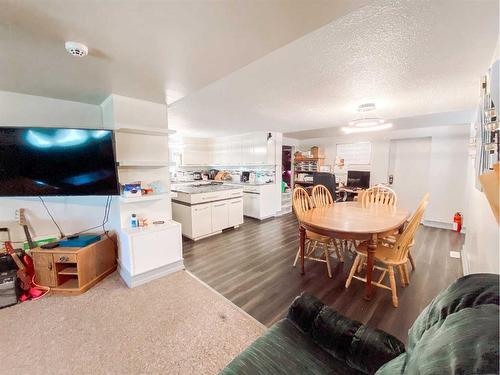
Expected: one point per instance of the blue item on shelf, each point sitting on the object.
(80, 241)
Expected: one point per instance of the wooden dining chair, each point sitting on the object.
(379, 195)
(321, 197)
(302, 203)
(390, 240)
(389, 257)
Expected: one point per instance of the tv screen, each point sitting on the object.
(358, 179)
(57, 161)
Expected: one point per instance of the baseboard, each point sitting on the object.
(438, 224)
(441, 225)
(136, 280)
(465, 261)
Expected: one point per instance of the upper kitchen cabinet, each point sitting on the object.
(252, 149)
(196, 151)
(246, 149)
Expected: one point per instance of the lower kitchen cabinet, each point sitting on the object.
(235, 214)
(201, 220)
(220, 216)
(259, 201)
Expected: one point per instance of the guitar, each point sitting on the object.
(27, 260)
(25, 278)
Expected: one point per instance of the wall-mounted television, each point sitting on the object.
(57, 161)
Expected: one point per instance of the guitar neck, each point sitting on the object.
(18, 262)
(31, 244)
(12, 253)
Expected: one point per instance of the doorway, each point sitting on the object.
(409, 162)
(286, 159)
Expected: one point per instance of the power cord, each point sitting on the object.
(52, 217)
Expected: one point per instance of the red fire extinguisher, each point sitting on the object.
(457, 222)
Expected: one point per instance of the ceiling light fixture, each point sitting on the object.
(366, 123)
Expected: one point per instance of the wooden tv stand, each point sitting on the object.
(74, 270)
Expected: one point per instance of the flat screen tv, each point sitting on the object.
(358, 179)
(57, 161)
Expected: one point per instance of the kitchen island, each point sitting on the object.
(206, 209)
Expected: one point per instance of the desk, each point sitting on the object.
(352, 221)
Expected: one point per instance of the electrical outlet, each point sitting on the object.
(455, 254)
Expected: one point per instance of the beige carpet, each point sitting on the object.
(173, 325)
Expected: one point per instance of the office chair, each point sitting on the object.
(328, 180)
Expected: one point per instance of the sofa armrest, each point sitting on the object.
(363, 348)
(303, 311)
(371, 348)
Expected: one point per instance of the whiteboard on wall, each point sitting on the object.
(358, 153)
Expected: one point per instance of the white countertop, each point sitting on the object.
(204, 188)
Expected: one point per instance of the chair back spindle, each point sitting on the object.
(379, 195)
(321, 196)
(300, 201)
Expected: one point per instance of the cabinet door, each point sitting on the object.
(247, 150)
(45, 269)
(259, 148)
(220, 216)
(202, 219)
(236, 147)
(235, 212)
(251, 205)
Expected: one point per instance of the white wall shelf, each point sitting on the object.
(144, 198)
(142, 164)
(146, 131)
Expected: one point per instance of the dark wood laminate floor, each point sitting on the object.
(252, 267)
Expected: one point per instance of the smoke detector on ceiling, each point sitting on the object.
(76, 49)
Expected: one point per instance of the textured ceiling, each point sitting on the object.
(410, 57)
(140, 48)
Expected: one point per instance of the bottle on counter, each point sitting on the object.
(134, 222)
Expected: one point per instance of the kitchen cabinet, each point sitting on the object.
(196, 151)
(246, 149)
(235, 212)
(251, 205)
(220, 216)
(201, 221)
(259, 201)
(202, 214)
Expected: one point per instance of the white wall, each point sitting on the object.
(29, 110)
(72, 213)
(482, 240)
(447, 176)
(481, 248)
(448, 162)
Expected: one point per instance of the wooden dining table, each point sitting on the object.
(353, 221)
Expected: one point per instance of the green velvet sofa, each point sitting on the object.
(457, 333)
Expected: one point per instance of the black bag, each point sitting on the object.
(7, 263)
(8, 288)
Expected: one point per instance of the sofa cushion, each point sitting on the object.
(457, 333)
(468, 291)
(284, 349)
